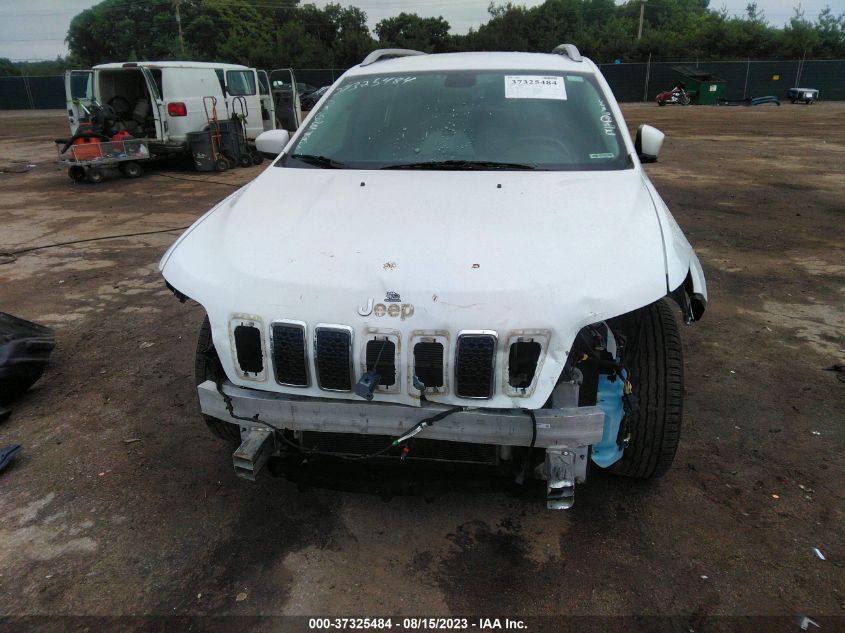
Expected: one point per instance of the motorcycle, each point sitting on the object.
(676, 95)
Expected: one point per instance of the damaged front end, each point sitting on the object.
(582, 420)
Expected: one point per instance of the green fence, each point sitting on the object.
(749, 78)
(629, 82)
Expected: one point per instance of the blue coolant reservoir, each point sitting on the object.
(606, 452)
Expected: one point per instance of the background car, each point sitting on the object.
(310, 99)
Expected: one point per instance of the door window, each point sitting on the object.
(263, 83)
(240, 83)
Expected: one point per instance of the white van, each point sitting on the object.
(163, 101)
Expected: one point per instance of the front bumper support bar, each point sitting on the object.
(566, 427)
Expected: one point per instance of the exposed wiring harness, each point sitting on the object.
(202, 180)
(414, 430)
(10, 256)
(29, 249)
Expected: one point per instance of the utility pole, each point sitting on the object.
(642, 15)
(179, 25)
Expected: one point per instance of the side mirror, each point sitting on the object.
(648, 143)
(271, 143)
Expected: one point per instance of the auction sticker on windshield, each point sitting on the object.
(534, 87)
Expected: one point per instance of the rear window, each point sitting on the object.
(81, 85)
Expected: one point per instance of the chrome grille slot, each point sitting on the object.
(475, 363)
(428, 363)
(290, 358)
(248, 349)
(522, 363)
(333, 357)
(381, 358)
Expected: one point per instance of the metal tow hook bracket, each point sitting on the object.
(253, 453)
(560, 485)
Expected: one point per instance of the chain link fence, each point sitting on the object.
(749, 78)
(629, 82)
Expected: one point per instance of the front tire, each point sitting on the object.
(207, 367)
(655, 361)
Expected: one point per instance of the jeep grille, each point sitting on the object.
(290, 359)
(475, 361)
(333, 357)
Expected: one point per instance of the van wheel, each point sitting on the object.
(257, 158)
(76, 173)
(221, 164)
(245, 160)
(207, 367)
(94, 175)
(130, 169)
(655, 361)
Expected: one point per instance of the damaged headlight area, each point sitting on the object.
(631, 367)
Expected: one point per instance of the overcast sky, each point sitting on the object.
(35, 29)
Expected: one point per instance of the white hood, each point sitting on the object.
(470, 250)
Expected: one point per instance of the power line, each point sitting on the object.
(259, 4)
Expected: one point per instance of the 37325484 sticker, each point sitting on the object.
(535, 87)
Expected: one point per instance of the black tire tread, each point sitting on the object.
(655, 361)
(204, 369)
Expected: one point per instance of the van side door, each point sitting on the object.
(79, 95)
(286, 98)
(244, 83)
(156, 103)
(268, 107)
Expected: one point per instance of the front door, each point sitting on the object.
(79, 95)
(268, 107)
(286, 98)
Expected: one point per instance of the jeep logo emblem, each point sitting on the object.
(390, 308)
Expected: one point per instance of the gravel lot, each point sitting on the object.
(94, 525)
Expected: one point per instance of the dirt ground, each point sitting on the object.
(122, 503)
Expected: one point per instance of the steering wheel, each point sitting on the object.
(531, 142)
(120, 106)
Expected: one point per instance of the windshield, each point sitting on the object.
(463, 120)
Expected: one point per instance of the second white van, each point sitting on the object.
(164, 101)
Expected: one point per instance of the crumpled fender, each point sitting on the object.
(685, 281)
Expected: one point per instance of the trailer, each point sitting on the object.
(91, 159)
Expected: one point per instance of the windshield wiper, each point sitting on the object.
(460, 164)
(319, 161)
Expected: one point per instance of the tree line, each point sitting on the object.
(282, 33)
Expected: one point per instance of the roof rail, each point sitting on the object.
(569, 50)
(388, 53)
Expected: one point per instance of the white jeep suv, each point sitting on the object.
(458, 257)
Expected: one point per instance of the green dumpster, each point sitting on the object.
(704, 88)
